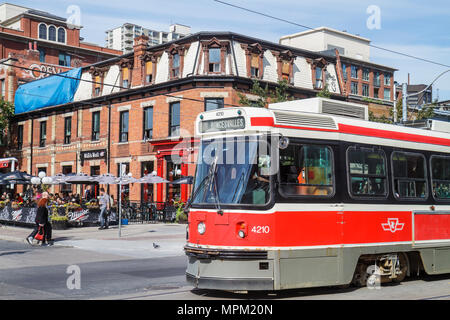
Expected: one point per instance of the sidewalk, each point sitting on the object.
(136, 241)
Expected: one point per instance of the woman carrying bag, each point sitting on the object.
(41, 221)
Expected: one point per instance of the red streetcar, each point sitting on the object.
(309, 193)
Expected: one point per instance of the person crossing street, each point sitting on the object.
(105, 204)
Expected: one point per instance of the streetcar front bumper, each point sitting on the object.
(234, 270)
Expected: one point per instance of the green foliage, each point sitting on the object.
(382, 119)
(6, 113)
(324, 93)
(180, 214)
(264, 95)
(56, 217)
(426, 112)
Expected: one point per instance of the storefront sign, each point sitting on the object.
(4, 164)
(92, 154)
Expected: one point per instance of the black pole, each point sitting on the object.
(109, 140)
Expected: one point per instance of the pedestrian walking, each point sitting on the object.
(105, 204)
(41, 221)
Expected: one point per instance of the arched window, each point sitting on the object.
(43, 31)
(52, 33)
(61, 35)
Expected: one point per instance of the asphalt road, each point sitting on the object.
(69, 273)
(39, 273)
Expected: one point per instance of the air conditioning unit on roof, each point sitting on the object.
(326, 106)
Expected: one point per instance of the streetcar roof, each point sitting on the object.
(293, 119)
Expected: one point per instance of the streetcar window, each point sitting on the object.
(233, 171)
(440, 177)
(409, 171)
(306, 170)
(367, 172)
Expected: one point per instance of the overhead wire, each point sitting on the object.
(311, 28)
(112, 85)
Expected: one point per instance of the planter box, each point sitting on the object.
(59, 225)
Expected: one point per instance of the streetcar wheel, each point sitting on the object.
(403, 260)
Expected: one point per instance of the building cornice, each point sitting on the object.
(152, 91)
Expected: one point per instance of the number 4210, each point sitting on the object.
(260, 229)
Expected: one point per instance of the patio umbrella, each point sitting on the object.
(59, 179)
(149, 178)
(184, 180)
(80, 178)
(15, 177)
(128, 180)
(107, 179)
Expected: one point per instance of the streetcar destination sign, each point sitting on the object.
(223, 124)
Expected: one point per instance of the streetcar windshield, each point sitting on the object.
(232, 171)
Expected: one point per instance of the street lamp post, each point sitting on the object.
(120, 197)
(41, 179)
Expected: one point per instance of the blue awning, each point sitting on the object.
(47, 92)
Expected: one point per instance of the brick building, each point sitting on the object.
(40, 41)
(138, 109)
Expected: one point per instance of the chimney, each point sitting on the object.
(139, 49)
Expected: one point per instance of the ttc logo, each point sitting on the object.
(392, 225)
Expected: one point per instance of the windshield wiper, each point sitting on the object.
(196, 192)
(214, 180)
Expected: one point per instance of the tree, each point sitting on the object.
(264, 95)
(324, 93)
(6, 113)
(426, 112)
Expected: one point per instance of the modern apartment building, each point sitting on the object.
(122, 38)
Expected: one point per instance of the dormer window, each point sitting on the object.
(254, 68)
(318, 70)
(319, 78)
(97, 86)
(125, 77)
(285, 71)
(126, 66)
(254, 59)
(175, 65)
(176, 59)
(214, 59)
(148, 72)
(285, 65)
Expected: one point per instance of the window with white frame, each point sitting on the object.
(61, 35)
(43, 31)
(52, 33)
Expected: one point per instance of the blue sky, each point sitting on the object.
(419, 28)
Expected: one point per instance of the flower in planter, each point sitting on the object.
(15, 205)
(56, 217)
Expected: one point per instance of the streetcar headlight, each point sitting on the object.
(201, 228)
(241, 233)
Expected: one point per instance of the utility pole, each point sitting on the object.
(404, 107)
(395, 103)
